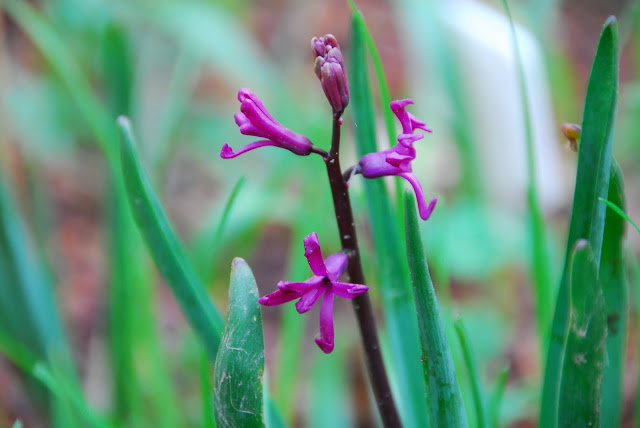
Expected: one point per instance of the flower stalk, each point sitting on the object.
(361, 304)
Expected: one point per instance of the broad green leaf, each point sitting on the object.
(163, 245)
(588, 213)
(479, 401)
(237, 382)
(615, 289)
(444, 402)
(392, 271)
(586, 352)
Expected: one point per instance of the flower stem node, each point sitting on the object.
(255, 120)
(324, 283)
(329, 67)
(397, 159)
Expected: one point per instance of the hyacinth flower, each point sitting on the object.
(329, 67)
(255, 120)
(323, 284)
(397, 159)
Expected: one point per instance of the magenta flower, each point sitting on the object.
(324, 283)
(329, 68)
(397, 159)
(254, 119)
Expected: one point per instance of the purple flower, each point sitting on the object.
(329, 68)
(397, 159)
(324, 283)
(254, 119)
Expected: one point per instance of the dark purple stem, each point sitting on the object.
(361, 304)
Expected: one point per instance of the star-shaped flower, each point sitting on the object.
(324, 283)
(397, 159)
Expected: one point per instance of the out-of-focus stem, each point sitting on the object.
(361, 304)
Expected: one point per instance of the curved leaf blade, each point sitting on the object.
(237, 383)
(163, 245)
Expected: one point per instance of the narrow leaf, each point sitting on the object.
(164, 247)
(615, 288)
(391, 266)
(586, 351)
(474, 376)
(496, 398)
(539, 251)
(444, 401)
(237, 383)
(392, 271)
(588, 213)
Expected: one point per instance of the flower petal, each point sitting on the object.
(313, 253)
(326, 339)
(301, 287)
(309, 298)
(424, 210)
(278, 297)
(336, 265)
(228, 153)
(347, 290)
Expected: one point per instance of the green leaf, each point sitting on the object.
(621, 213)
(444, 401)
(615, 288)
(588, 213)
(163, 245)
(237, 383)
(472, 367)
(496, 397)
(586, 351)
(539, 251)
(28, 312)
(75, 81)
(391, 266)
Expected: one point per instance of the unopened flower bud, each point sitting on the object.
(572, 132)
(329, 67)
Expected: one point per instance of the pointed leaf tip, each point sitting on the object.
(611, 21)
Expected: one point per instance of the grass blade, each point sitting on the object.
(392, 269)
(472, 367)
(164, 247)
(585, 355)
(27, 304)
(29, 362)
(444, 401)
(237, 383)
(615, 289)
(496, 398)
(539, 252)
(588, 213)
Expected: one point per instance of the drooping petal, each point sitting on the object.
(336, 265)
(347, 290)
(278, 297)
(424, 209)
(309, 298)
(313, 253)
(228, 153)
(326, 339)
